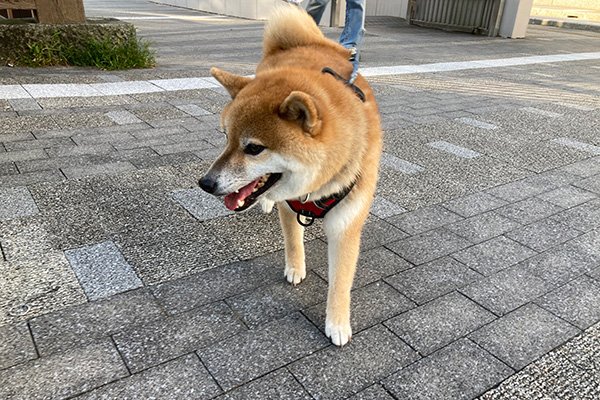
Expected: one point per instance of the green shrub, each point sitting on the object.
(101, 53)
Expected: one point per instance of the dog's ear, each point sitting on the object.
(233, 83)
(301, 108)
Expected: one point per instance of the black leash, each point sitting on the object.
(352, 86)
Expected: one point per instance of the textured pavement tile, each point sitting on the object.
(584, 217)
(377, 232)
(193, 110)
(8, 168)
(384, 208)
(550, 377)
(520, 190)
(169, 159)
(16, 202)
(372, 266)
(336, 373)
(424, 219)
(234, 361)
(435, 324)
(428, 246)
(37, 144)
(277, 300)
(474, 204)
(543, 234)
(90, 322)
(221, 282)
(434, 279)
(459, 151)
(370, 305)
(200, 204)
(584, 168)
(123, 117)
(583, 351)
(16, 137)
(400, 165)
(16, 345)
(523, 335)
(22, 155)
(98, 169)
(483, 226)
(31, 178)
(181, 147)
(563, 263)
(183, 378)
(495, 254)
(95, 138)
(102, 270)
(508, 289)
(568, 196)
(461, 370)
(577, 302)
(125, 87)
(159, 341)
(67, 151)
(375, 392)
(278, 385)
(591, 184)
(528, 210)
(63, 375)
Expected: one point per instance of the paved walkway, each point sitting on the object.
(480, 265)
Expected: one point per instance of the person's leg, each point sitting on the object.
(354, 27)
(316, 8)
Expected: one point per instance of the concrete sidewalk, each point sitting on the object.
(480, 266)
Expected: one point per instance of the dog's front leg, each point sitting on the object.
(343, 236)
(293, 235)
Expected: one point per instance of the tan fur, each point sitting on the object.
(318, 134)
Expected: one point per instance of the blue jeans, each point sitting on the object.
(354, 26)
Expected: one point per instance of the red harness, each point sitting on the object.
(316, 209)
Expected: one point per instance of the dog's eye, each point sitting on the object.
(253, 149)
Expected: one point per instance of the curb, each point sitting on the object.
(567, 24)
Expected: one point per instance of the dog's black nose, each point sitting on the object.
(208, 184)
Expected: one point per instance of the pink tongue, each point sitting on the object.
(231, 199)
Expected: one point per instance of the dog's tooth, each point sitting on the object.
(240, 203)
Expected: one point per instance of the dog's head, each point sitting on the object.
(273, 149)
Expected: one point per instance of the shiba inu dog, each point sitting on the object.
(299, 135)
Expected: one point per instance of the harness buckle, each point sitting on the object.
(306, 223)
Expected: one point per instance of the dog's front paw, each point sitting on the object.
(340, 333)
(294, 275)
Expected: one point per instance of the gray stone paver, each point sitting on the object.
(438, 221)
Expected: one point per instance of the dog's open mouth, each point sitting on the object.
(244, 197)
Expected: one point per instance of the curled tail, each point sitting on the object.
(290, 26)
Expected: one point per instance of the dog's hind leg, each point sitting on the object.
(293, 235)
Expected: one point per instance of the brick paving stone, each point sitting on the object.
(493, 255)
(424, 219)
(182, 378)
(16, 137)
(436, 278)
(377, 232)
(181, 147)
(193, 110)
(483, 226)
(384, 208)
(568, 196)
(233, 361)
(528, 210)
(91, 322)
(219, 283)
(63, 375)
(471, 205)
(508, 289)
(584, 217)
(144, 134)
(31, 178)
(563, 263)
(278, 385)
(370, 305)
(428, 246)
(375, 392)
(372, 265)
(576, 302)
(584, 168)
(277, 300)
(159, 341)
(338, 373)
(22, 155)
(591, 184)
(16, 345)
(200, 204)
(8, 168)
(102, 271)
(169, 159)
(112, 168)
(66, 151)
(432, 326)
(523, 335)
(89, 139)
(543, 234)
(24, 104)
(123, 117)
(462, 370)
(520, 190)
(16, 202)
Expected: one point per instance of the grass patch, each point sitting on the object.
(102, 53)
